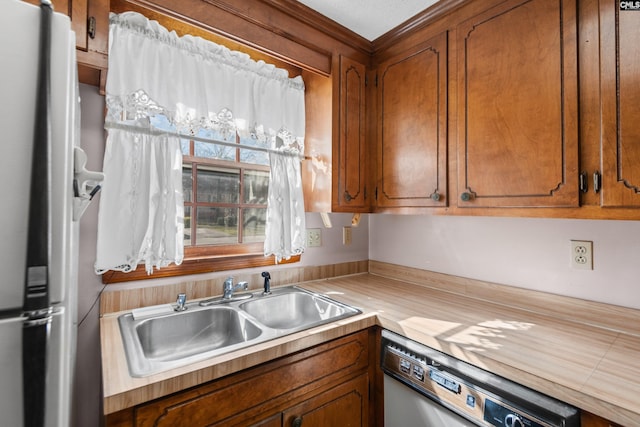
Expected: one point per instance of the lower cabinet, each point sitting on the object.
(323, 386)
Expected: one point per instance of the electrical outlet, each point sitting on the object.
(582, 254)
(314, 237)
(346, 235)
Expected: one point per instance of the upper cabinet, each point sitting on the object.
(620, 86)
(349, 155)
(412, 127)
(517, 113)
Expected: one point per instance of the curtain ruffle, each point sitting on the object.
(196, 82)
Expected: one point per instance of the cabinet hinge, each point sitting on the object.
(376, 80)
(584, 187)
(376, 193)
(597, 182)
(91, 27)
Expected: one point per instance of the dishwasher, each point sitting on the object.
(426, 388)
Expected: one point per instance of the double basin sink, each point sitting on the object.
(157, 343)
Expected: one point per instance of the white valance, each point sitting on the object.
(196, 85)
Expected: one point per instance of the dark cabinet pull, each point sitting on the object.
(436, 196)
(297, 422)
(91, 27)
(347, 196)
(465, 197)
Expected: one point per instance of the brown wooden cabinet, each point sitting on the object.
(349, 154)
(517, 106)
(620, 62)
(326, 383)
(412, 127)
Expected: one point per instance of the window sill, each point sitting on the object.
(197, 265)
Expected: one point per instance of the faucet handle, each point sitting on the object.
(243, 285)
(180, 302)
(228, 283)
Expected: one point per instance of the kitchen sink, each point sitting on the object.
(295, 308)
(165, 341)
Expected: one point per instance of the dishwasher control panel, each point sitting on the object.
(483, 398)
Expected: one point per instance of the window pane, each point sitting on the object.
(187, 182)
(256, 186)
(217, 226)
(253, 226)
(187, 225)
(215, 151)
(253, 156)
(218, 185)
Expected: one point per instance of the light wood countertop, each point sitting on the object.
(579, 355)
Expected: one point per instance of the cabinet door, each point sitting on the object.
(620, 59)
(518, 105)
(412, 127)
(346, 405)
(349, 151)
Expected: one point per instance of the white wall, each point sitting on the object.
(524, 252)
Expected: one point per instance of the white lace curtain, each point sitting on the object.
(197, 85)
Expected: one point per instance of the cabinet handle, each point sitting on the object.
(91, 27)
(297, 422)
(465, 197)
(597, 182)
(347, 196)
(436, 196)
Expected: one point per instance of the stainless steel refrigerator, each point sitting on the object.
(39, 209)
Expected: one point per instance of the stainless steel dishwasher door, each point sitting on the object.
(405, 407)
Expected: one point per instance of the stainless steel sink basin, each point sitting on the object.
(163, 342)
(182, 335)
(166, 341)
(293, 308)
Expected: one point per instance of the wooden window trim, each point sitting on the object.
(197, 265)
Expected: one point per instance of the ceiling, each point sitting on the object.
(369, 18)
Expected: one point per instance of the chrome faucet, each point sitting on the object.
(229, 288)
(180, 302)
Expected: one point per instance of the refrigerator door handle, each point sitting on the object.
(35, 337)
(37, 328)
